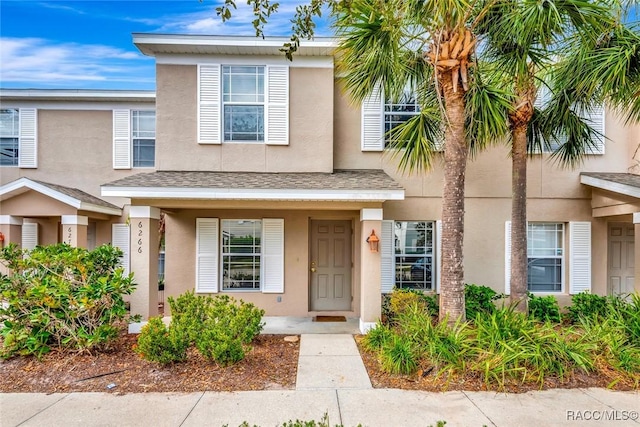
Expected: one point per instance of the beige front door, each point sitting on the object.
(330, 265)
(621, 258)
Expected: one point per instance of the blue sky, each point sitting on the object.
(87, 44)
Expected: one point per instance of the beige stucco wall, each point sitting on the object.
(310, 146)
(74, 149)
(180, 256)
(555, 194)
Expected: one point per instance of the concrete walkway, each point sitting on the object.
(331, 379)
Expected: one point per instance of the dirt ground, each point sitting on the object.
(271, 364)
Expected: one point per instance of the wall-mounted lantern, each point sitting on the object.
(373, 241)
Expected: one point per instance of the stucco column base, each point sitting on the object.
(370, 283)
(144, 259)
(74, 230)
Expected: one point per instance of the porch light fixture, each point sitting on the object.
(373, 241)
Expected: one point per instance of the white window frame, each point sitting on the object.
(561, 257)
(258, 255)
(134, 137)
(432, 255)
(210, 121)
(123, 139)
(407, 115)
(226, 70)
(15, 113)
(209, 256)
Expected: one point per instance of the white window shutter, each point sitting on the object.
(595, 118)
(207, 237)
(272, 262)
(387, 261)
(438, 260)
(120, 239)
(277, 112)
(507, 257)
(372, 133)
(580, 257)
(29, 235)
(121, 139)
(28, 141)
(209, 104)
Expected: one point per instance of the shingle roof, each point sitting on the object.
(77, 194)
(338, 180)
(619, 178)
(341, 185)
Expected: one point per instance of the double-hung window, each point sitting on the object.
(545, 256)
(9, 136)
(414, 250)
(241, 253)
(243, 98)
(143, 136)
(134, 139)
(397, 113)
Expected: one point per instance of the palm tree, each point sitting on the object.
(430, 46)
(553, 44)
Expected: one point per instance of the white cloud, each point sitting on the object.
(45, 63)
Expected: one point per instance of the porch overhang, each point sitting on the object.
(627, 184)
(339, 186)
(73, 197)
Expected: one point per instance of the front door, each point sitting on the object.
(621, 258)
(330, 265)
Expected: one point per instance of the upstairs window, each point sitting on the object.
(9, 136)
(143, 136)
(243, 98)
(397, 113)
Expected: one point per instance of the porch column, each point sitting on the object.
(74, 230)
(370, 280)
(11, 229)
(636, 247)
(144, 259)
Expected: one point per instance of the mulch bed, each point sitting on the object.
(271, 364)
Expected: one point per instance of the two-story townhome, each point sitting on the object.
(273, 187)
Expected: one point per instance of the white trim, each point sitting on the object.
(144, 212)
(636, 217)
(10, 220)
(29, 235)
(216, 40)
(366, 326)
(251, 194)
(371, 214)
(628, 190)
(77, 105)
(22, 183)
(300, 61)
(76, 94)
(75, 220)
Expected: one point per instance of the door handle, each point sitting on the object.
(313, 269)
(313, 266)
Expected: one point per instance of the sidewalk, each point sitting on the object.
(331, 379)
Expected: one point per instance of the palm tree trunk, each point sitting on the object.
(519, 219)
(455, 158)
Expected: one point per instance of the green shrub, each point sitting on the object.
(585, 304)
(63, 297)
(376, 337)
(188, 313)
(399, 356)
(479, 300)
(544, 308)
(157, 343)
